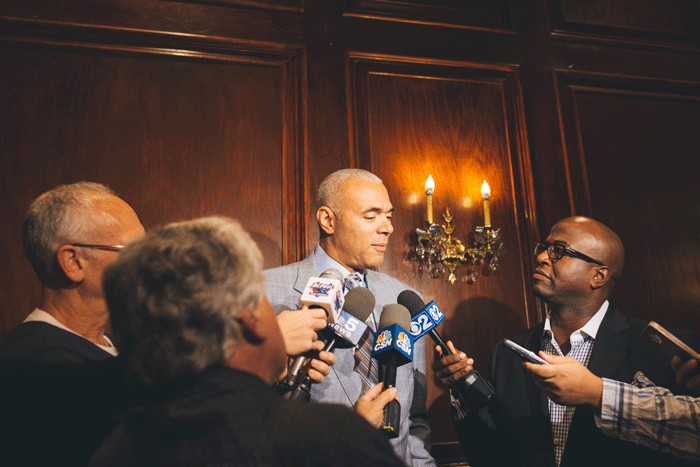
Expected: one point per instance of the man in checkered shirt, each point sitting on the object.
(577, 268)
(640, 411)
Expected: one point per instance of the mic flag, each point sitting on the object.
(472, 388)
(393, 347)
(393, 341)
(350, 325)
(344, 333)
(426, 320)
(325, 292)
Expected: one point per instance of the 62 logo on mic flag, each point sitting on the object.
(426, 320)
(393, 340)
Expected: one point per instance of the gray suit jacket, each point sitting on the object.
(342, 386)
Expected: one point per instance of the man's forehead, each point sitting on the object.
(365, 196)
(568, 233)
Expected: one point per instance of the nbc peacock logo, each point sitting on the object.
(383, 340)
(404, 343)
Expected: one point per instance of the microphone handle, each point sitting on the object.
(296, 369)
(438, 340)
(300, 392)
(302, 389)
(300, 365)
(471, 387)
(392, 411)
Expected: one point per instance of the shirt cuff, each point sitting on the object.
(608, 418)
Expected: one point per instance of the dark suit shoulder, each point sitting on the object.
(340, 436)
(43, 342)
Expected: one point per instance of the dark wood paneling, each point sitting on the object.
(242, 107)
(632, 150)
(479, 14)
(176, 137)
(172, 23)
(289, 5)
(462, 123)
(669, 24)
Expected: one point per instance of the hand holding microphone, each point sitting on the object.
(371, 404)
(450, 368)
(300, 329)
(472, 388)
(345, 331)
(325, 294)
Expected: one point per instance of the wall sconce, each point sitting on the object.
(437, 250)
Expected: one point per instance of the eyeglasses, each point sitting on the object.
(556, 251)
(100, 247)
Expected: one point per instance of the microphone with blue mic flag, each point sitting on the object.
(393, 347)
(472, 388)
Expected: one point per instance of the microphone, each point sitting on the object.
(472, 388)
(393, 347)
(321, 292)
(345, 332)
(325, 292)
(348, 329)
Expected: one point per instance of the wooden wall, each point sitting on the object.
(241, 107)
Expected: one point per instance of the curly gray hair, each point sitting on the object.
(64, 214)
(174, 295)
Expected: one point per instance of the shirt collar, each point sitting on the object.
(590, 328)
(324, 262)
(41, 315)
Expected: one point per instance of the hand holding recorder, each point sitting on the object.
(566, 381)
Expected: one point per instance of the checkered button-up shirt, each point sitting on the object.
(582, 341)
(651, 416)
(561, 415)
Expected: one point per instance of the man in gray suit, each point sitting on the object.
(354, 217)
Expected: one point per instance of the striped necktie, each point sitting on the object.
(365, 366)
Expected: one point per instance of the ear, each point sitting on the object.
(251, 326)
(326, 219)
(71, 262)
(601, 277)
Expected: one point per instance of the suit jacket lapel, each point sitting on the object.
(610, 344)
(306, 269)
(537, 398)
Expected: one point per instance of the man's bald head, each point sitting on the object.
(601, 242)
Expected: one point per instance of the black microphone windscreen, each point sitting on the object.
(332, 274)
(411, 301)
(395, 314)
(359, 302)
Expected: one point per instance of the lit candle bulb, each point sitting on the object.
(486, 194)
(429, 187)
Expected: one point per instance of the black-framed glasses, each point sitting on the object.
(99, 247)
(557, 251)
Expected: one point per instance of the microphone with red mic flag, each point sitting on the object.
(345, 332)
(324, 292)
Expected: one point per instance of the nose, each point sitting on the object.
(386, 228)
(543, 258)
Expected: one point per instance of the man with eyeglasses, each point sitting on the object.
(61, 387)
(577, 268)
(70, 234)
